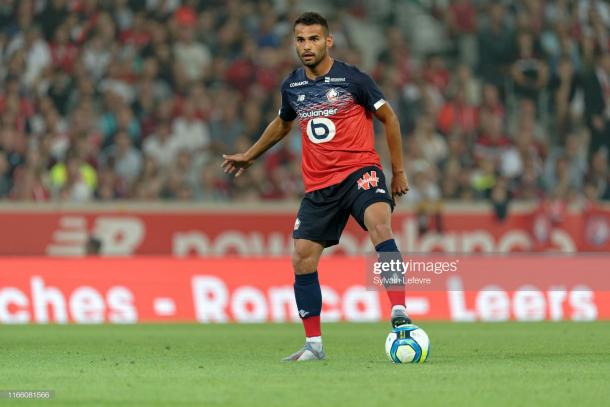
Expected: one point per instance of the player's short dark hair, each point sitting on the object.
(311, 18)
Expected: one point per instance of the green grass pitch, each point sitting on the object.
(239, 365)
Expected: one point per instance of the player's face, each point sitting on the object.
(311, 43)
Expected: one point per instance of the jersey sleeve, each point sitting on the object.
(367, 92)
(286, 112)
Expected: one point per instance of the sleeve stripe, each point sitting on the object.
(379, 103)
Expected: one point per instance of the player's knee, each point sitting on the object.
(304, 261)
(303, 264)
(380, 232)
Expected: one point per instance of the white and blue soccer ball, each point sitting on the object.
(407, 344)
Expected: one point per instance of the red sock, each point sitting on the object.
(396, 295)
(312, 326)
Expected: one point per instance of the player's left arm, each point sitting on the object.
(386, 115)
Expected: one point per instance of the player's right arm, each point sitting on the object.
(275, 131)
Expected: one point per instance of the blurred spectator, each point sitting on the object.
(150, 182)
(435, 72)
(597, 103)
(492, 143)
(483, 179)
(192, 57)
(458, 114)
(181, 178)
(432, 144)
(395, 56)
(109, 186)
(495, 44)
(74, 180)
(226, 128)
(6, 182)
(530, 182)
(211, 186)
(63, 53)
(36, 53)
(450, 179)
(97, 55)
(528, 71)
(491, 105)
(525, 121)
(125, 159)
(190, 132)
(598, 177)
(563, 85)
(571, 159)
(160, 146)
(53, 15)
(500, 198)
(425, 195)
(30, 181)
(462, 22)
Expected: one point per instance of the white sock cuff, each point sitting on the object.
(314, 339)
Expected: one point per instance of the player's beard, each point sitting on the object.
(316, 60)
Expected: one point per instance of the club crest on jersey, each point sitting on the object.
(368, 180)
(332, 95)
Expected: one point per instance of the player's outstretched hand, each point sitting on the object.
(236, 163)
(400, 184)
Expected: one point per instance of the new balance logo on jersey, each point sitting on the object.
(380, 191)
(297, 223)
(301, 98)
(303, 313)
(368, 180)
(331, 80)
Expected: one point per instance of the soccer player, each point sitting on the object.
(334, 103)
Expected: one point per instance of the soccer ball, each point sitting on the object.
(407, 344)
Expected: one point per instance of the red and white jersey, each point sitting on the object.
(335, 113)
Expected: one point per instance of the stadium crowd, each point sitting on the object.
(106, 100)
